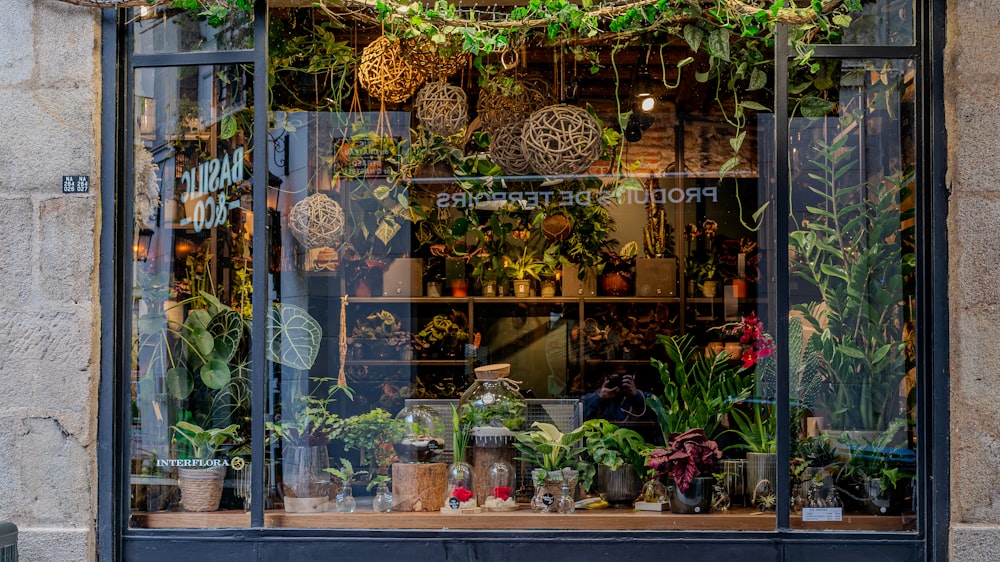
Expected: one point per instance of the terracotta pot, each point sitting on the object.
(616, 284)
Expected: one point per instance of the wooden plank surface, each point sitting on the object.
(737, 519)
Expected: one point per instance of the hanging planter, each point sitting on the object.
(316, 221)
(385, 72)
(441, 108)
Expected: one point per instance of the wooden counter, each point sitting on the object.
(736, 519)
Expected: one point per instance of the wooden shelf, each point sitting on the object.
(406, 363)
(736, 519)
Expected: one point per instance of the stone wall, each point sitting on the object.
(972, 97)
(49, 311)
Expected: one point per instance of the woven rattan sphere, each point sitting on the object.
(507, 152)
(433, 60)
(316, 221)
(385, 73)
(561, 140)
(442, 108)
(503, 105)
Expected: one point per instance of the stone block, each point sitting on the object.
(16, 41)
(68, 47)
(54, 132)
(66, 254)
(16, 251)
(56, 544)
(974, 543)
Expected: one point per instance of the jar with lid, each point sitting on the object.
(501, 486)
(424, 440)
(493, 409)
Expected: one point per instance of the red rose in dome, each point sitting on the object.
(501, 493)
(462, 494)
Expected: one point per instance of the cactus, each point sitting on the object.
(657, 234)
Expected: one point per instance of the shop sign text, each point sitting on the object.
(206, 187)
(660, 196)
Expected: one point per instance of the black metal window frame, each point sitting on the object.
(115, 541)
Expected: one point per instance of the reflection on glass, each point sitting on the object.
(191, 294)
(851, 339)
(164, 29)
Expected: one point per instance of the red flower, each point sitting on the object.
(462, 494)
(501, 493)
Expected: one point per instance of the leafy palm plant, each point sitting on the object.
(698, 391)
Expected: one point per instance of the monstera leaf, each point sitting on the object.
(293, 336)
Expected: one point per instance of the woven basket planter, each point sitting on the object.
(316, 221)
(201, 488)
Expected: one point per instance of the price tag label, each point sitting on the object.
(822, 514)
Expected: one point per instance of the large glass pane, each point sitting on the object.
(851, 337)
(191, 313)
(404, 208)
(873, 22)
(165, 29)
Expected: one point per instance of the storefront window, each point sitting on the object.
(509, 276)
(164, 29)
(191, 293)
(851, 324)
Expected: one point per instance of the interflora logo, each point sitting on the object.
(236, 463)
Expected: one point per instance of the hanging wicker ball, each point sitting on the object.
(441, 108)
(506, 150)
(561, 140)
(557, 227)
(385, 72)
(433, 60)
(316, 221)
(502, 105)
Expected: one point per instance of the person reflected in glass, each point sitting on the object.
(618, 399)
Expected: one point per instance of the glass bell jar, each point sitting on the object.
(502, 488)
(459, 493)
(424, 441)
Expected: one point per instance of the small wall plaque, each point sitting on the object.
(76, 184)
(822, 514)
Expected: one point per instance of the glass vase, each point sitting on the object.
(345, 500)
(459, 493)
(382, 502)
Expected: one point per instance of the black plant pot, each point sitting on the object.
(697, 498)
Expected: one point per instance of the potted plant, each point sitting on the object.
(617, 271)
(880, 473)
(757, 430)
(815, 465)
(557, 458)
(202, 474)
(701, 261)
(618, 454)
(522, 269)
(656, 272)
(372, 435)
(346, 477)
(305, 431)
(443, 336)
(690, 460)
(379, 335)
(698, 391)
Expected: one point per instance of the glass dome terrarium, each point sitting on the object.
(424, 441)
(501, 486)
(492, 409)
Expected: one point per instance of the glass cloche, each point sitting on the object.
(424, 441)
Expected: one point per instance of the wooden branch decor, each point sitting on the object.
(435, 61)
